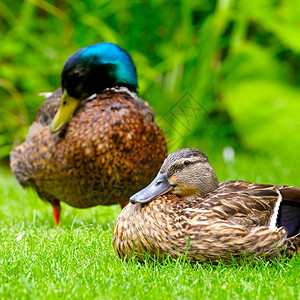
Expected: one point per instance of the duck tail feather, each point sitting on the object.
(289, 217)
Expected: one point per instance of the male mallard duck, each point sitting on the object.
(186, 208)
(110, 148)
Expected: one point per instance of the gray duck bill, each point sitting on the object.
(159, 186)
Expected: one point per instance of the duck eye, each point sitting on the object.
(187, 162)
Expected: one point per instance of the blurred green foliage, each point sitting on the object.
(217, 73)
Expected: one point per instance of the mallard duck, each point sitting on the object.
(185, 210)
(93, 142)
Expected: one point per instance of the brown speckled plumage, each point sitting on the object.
(231, 220)
(109, 149)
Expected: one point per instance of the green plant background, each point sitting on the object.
(238, 59)
(217, 73)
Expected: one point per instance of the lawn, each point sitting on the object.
(217, 73)
(77, 260)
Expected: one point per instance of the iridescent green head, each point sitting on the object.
(89, 71)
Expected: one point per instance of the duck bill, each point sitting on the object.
(66, 109)
(159, 186)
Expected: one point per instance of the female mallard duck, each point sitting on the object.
(103, 144)
(186, 208)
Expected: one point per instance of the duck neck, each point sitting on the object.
(207, 183)
(197, 187)
(210, 187)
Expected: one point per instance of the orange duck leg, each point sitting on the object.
(56, 214)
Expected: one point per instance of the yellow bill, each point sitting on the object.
(66, 109)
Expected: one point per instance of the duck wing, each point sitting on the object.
(45, 113)
(48, 109)
(244, 203)
(253, 204)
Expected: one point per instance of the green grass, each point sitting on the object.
(77, 260)
(238, 59)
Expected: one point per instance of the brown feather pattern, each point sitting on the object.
(109, 149)
(232, 220)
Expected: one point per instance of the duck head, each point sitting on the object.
(185, 172)
(89, 71)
